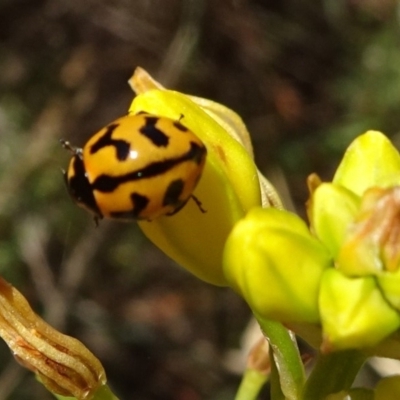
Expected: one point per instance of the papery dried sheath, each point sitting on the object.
(63, 364)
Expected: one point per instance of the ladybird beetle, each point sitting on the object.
(138, 167)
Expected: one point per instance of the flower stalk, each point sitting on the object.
(257, 371)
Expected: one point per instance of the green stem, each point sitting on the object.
(286, 357)
(332, 373)
(102, 393)
(251, 384)
(276, 390)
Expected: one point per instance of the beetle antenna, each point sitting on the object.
(198, 203)
(67, 145)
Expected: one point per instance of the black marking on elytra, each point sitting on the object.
(197, 153)
(107, 183)
(155, 135)
(178, 125)
(173, 192)
(122, 147)
(80, 189)
(139, 203)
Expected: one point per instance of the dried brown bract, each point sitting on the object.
(62, 363)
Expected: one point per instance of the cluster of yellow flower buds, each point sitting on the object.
(335, 282)
(343, 274)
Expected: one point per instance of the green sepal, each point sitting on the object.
(354, 313)
(333, 208)
(389, 282)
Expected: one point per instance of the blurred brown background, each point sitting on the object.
(306, 76)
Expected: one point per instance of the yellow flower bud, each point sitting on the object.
(371, 160)
(276, 265)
